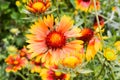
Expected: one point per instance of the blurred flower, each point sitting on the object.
(72, 60)
(86, 5)
(12, 49)
(53, 74)
(38, 6)
(36, 64)
(24, 53)
(49, 40)
(95, 25)
(24, 1)
(110, 54)
(15, 63)
(14, 31)
(117, 45)
(94, 44)
(93, 47)
(18, 4)
(86, 34)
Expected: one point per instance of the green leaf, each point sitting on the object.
(4, 5)
(85, 71)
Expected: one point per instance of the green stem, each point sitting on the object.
(112, 72)
(18, 73)
(98, 22)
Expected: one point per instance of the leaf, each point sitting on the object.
(4, 6)
(72, 2)
(85, 71)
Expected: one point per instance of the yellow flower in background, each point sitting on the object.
(18, 3)
(53, 74)
(14, 30)
(110, 54)
(72, 60)
(86, 5)
(117, 45)
(24, 1)
(38, 6)
(52, 40)
(12, 49)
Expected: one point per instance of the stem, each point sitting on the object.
(18, 73)
(98, 22)
(112, 72)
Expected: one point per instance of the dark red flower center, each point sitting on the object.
(86, 34)
(55, 40)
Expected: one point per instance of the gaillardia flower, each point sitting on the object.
(110, 54)
(38, 6)
(117, 45)
(95, 25)
(15, 63)
(93, 42)
(72, 60)
(53, 74)
(86, 5)
(48, 38)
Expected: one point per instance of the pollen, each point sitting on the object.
(55, 40)
(16, 62)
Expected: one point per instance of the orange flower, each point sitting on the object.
(38, 6)
(86, 5)
(24, 53)
(72, 60)
(49, 39)
(94, 44)
(53, 74)
(101, 20)
(15, 63)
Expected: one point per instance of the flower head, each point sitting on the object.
(72, 60)
(86, 5)
(15, 63)
(38, 6)
(110, 54)
(86, 34)
(53, 74)
(49, 39)
(101, 20)
(117, 45)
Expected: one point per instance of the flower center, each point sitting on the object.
(38, 5)
(55, 40)
(86, 0)
(87, 34)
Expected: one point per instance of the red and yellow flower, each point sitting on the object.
(101, 21)
(38, 6)
(49, 39)
(24, 53)
(93, 42)
(15, 63)
(72, 60)
(53, 74)
(87, 5)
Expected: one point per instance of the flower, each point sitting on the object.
(92, 41)
(110, 54)
(86, 34)
(38, 6)
(93, 47)
(36, 64)
(49, 39)
(95, 25)
(24, 53)
(18, 4)
(53, 74)
(15, 63)
(86, 5)
(14, 31)
(72, 60)
(12, 49)
(117, 45)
